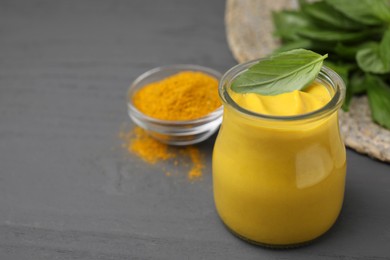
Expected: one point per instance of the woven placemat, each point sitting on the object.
(249, 33)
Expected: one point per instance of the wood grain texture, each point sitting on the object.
(67, 188)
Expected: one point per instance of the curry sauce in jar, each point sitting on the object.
(279, 163)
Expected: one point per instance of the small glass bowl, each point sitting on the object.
(180, 132)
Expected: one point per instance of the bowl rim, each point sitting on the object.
(178, 67)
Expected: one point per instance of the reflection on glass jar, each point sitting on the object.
(279, 180)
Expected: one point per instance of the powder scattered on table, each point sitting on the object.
(144, 146)
(151, 151)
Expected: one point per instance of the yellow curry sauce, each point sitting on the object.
(279, 182)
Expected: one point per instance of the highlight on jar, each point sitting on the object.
(178, 104)
(279, 163)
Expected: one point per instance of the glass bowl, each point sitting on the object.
(180, 132)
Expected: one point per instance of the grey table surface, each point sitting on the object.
(68, 190)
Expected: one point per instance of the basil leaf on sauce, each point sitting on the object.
(281, 73)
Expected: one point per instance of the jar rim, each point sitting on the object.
(334, 80)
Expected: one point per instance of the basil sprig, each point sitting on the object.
(283, 72)
(355, 34)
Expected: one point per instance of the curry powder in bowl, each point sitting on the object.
(177, 104)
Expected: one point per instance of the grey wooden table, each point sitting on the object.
(67, 189)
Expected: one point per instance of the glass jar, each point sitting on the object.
(279, 180)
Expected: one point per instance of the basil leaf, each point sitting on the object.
(370, 59)
(317, 46)
(356, 85)
(357, 82)
(287, 23)
(350, 51)
(379, 99)
(333, 35)
(341, 69)
(303, 44)
(381, 9)
(327, 16)
(384, 50)
(370, 12)
(375, 58)
(283, 72)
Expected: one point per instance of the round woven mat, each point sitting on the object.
(249, 33)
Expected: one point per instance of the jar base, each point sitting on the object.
(271, 246)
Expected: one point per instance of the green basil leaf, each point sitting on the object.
(301, 2)
(333, 35)
(341, 69)
(287, 23)
(349, 51)
(326, 16)
(283, 72)
(369, 60)
(370, 12)
(379, 99)
(384, 50)
(298, 44)
(316, 46)
(356, 85)
(381, 9)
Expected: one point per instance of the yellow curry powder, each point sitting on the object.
(152, 151)
(183, 96)
(196, 170)
(144, 146)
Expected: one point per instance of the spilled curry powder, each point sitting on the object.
(151, 151)
(145, 147)
(186, 95)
